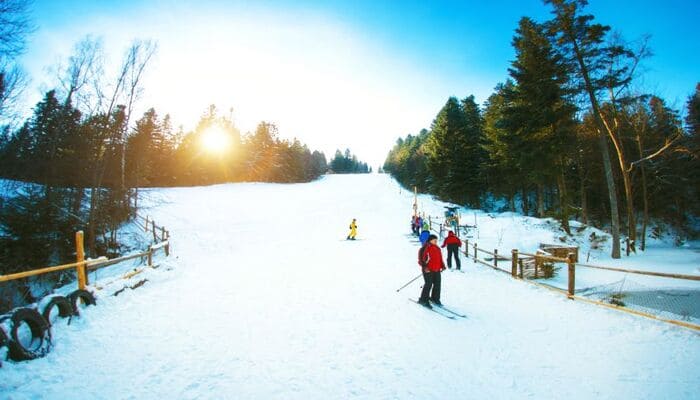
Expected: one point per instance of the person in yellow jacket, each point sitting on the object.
(353, 230)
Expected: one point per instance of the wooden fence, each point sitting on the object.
(83, 266)
(516, 270)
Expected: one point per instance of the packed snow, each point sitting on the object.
(263, 298)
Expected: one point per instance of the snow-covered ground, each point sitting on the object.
(264, 299)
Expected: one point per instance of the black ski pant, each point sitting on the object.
(432, 281)
(453, 250)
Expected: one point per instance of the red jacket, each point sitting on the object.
(452, 239)
(431, 258)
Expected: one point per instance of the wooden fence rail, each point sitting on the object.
(516, 271)
(82, 266)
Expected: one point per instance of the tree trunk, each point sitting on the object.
(92, 221)
(612, 196)
(582, 191)
(626, 181)
(645, 199)
(540, 200)
(78, 194)
(563, 199)
(602, 128)
(511, 202)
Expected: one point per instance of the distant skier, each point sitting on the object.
(414, 225)
(353, 230)
(453, 244)
(430, 260)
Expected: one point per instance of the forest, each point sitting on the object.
(568, 135)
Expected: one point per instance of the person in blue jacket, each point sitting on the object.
(424, 237)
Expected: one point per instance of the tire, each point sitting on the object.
(3, 338)
(40, 332)
(3, 341)
(81, 295)
(65, 309)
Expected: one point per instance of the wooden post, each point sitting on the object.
(415, 201)
(146, 225)
(572, 274)
(80, 258)
(466, 248)
(514, 263)
(430, 223)
(520, 264)
(167, 249)
(475, 251)
(495, 258)
(155, 235)
(537, 264)
(162, 233)
(150, 256)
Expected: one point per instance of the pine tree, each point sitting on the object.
(582, 44)
(544, 116)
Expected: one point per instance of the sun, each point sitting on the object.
(215, 140)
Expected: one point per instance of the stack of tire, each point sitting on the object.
(26, 332)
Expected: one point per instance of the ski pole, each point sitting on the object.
(409, 282)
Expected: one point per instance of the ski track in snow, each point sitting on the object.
(262, 299)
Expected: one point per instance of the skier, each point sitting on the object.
(424, 237)
(453, 244)
(430, 260)
(353, 230)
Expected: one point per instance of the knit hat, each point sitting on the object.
(431, 237)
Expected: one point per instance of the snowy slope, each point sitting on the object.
(264, 299)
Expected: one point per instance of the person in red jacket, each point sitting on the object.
(453, 244)
(430, 260)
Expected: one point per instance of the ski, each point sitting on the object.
(434, 310)
(455, 313)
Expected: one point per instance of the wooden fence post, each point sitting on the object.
(514, 263)
(475, 251)
(430, 223)
(150, 256)
(537, 263)
(155, 235)
(572, 274)
(162, 233)
(520, 264)
(466, 248)
(146, 224)
(495, 258)
(80, 258)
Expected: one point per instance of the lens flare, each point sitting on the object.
(215, 140)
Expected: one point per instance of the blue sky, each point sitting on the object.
(339, 74)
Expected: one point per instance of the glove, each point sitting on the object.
(426, 270)
(443, 268)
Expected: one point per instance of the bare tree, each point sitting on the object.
(81, 78)
(137, 57)
(15, 25)
(13, 81)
